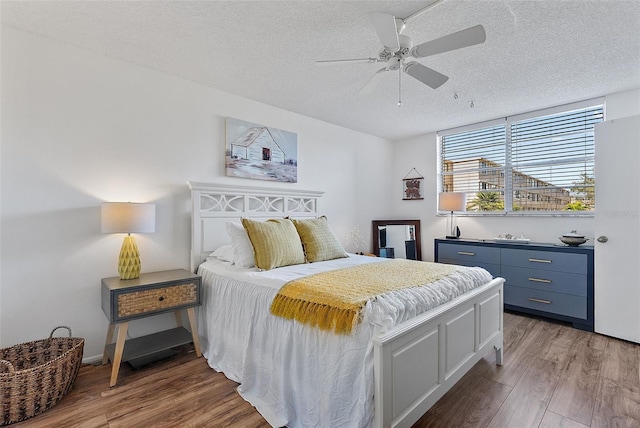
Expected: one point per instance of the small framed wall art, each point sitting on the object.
(412, 186)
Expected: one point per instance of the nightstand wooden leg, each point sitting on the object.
(178, 318)
(105, 356)
(194, 331)
(117, 357)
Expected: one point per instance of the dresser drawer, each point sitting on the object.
(546, 280)
(546, 301)
(470, 254)
(152, 293)
(545, 260)
(152, 300)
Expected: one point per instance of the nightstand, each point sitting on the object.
(151, 294)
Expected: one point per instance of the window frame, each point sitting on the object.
(507, 169)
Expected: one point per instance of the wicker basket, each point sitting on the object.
(34, 376)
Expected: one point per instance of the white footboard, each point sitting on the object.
(418, 361)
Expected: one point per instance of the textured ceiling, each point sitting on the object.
(537, 53)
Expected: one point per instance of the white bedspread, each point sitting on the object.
(295, 375)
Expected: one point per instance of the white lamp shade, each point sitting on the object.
(452, 201)
(127, 217)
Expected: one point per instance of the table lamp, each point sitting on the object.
(127, 217)
(452, 201)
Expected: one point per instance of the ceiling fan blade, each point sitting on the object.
(425, 74)
(385, 26)
(373, 82)
(345, 61)
(461, 39)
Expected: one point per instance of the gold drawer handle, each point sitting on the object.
(540, 261)
(546, 281)
(466, 253)
(548, 302)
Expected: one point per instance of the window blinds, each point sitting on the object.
(557, 152)
(467, 155)
(533, 162)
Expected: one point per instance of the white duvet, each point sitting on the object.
(296, 375)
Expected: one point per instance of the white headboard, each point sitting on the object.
(212, 205)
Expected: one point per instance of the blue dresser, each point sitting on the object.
(553, 281)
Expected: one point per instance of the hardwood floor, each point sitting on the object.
(553, 376)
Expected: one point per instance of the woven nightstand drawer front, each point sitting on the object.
(156, 299)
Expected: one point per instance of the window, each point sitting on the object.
(535, 162)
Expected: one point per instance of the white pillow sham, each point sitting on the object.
(242, 248)
(223, 253)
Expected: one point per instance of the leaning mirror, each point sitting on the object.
(396, 239)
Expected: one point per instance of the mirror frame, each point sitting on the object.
(376, 239)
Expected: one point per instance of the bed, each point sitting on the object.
(386, 373)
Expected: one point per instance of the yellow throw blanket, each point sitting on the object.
(333, 300)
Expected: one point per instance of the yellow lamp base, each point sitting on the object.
(129, 259)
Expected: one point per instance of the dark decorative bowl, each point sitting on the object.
(573, 241)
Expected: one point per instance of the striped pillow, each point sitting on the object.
(318, 240)
(275, 243)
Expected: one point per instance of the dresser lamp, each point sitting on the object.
(127, 217)
(452, 201)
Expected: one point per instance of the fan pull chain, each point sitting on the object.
(400, 87)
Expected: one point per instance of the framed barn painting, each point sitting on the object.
(260, 152)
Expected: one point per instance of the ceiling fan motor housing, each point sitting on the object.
(403, 52)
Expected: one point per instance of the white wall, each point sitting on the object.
(79, 128)
(421, 153)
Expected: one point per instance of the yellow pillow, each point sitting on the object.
(275, 243)
(318, 240)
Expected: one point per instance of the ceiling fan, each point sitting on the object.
(398, 49)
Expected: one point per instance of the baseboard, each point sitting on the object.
(93, 360)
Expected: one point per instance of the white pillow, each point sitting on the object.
(224, 253)
(242, 248)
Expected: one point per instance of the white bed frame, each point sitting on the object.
(416, 362)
